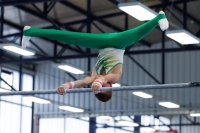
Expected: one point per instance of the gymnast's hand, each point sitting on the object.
(62, 89)
(96, 86)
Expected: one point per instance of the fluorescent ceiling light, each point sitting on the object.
(142, 94)
(117, 118)
(116, 85)
(105, 117)
(71, 69)
(137, 10)
(147, 129)
(182, 36)
(169, 104)
(128, 123)
(195, 114)
(18, 50)
(4, 90)
(36, 100)
(71, 109)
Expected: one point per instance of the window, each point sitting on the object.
(14, 112)
(63, 125)
(8, 77)
(9, 117)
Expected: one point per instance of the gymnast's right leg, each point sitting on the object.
(87, 40)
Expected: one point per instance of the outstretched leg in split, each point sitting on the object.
(118, 40)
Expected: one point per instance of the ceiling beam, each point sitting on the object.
(16, 26)
(21, 2)
(39, 15)
(135, 52)
(68, 4)
(180, 11)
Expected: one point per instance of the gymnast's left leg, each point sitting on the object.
(126, 38)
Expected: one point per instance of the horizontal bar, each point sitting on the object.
(123, 88)
(118, 112)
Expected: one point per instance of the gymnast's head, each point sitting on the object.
(104, 96)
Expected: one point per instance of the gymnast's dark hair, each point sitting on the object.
(104, 97)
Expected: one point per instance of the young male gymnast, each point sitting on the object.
(108, 68)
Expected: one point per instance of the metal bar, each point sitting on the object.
(50, 7)
(94, 18)
(196, 21)
(137, 119)
(20, 75)
(51, 21)
(80, 29)
(92, 125)
(95, 55)
(55, 48)
(89, 15)
(92, 120)
(179, 22)
(159, 125)
(170, 2)
(20, 89)
(167, 3)
(180, 124)
(68, 4)
(12, 24)
(21, 2)
(15, 39)
(15, 103)
(8, 84)
(2, 22)
(164, 123)
(32, 111)
(82, 26)
(1, 29)
(171, 13)
(123, 88)
(71, 76)
(126, 22)
(119, 112)
(98, 27)
(163, 47)
(11, 35)
(41, 50)
(188, 119)
(185, 14)
(41, 16)
(61, 51)
(114, 2)
(163, 58)
(45, 6)
(198, 33)
(144, 69)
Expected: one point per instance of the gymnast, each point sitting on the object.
(108, 68)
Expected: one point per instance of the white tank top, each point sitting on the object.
(108, 58)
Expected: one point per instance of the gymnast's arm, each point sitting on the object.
(112, 77)
(77, 84)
